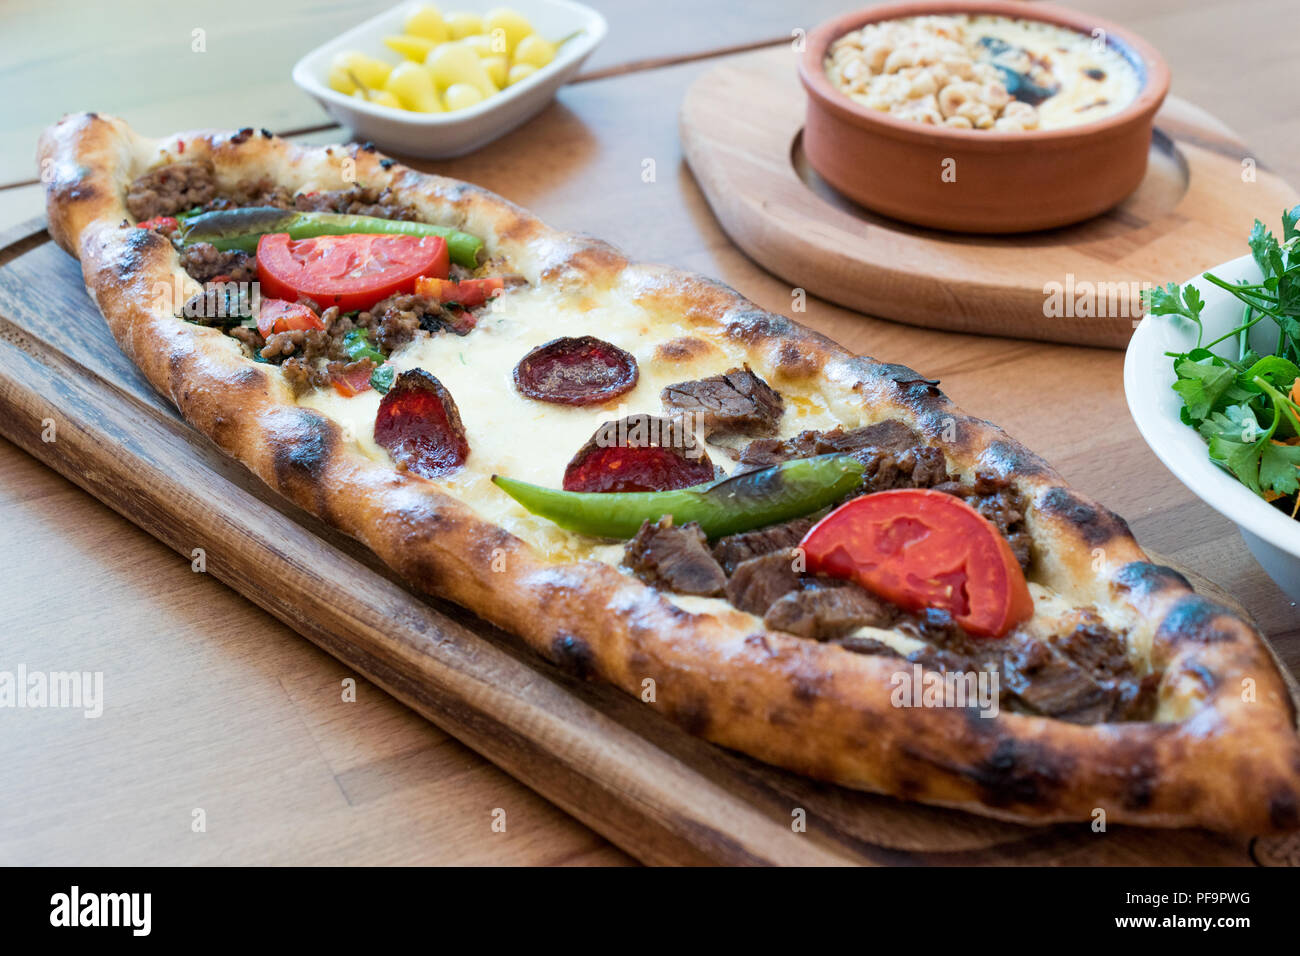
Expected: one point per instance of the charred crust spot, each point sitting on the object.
(485, 546)
(1143, 577)
(755, 326)
(593, 258)
(367, 147)
(266, 133)
(1283, 811)
(808, 686)
(793, 362)
(1140, 780)
(302, 451)
(1096, 525)
(518, 229)
(1009, 458)
(387, 163)
(1018, 772)
(140, 246)
(1195, 620)
(693, 715)
(905, 377)
(243, 136)
(573, 655)
(77, 189)
(251, 378)
(682, 349)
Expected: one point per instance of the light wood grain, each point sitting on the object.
(1191, 210)
(578, 165)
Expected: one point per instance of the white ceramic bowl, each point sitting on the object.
(443, 135)
(1272, 537)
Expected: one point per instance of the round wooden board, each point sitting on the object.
(741, 127)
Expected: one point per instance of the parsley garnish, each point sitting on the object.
(1246, 408)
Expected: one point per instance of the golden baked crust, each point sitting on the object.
(1226, 756)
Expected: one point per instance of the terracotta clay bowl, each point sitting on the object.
(998, 182)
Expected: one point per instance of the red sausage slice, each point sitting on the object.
(576, 371)
(639, 453)
(419, 424)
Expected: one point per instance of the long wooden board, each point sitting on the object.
(1200, 196)
(658, 793)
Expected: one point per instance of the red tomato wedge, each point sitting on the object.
(924, 549)
(277, 315)
(467, 292)
(353, 382)
(352, 271)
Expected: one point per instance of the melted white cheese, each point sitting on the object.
(533, 441)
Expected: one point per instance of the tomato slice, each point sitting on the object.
(469, 293)
(351, 383)
(352, 271)
(277, 315)
(924, 549)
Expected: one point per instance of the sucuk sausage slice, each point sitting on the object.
(419, 424)
(576, 371)
(639, 453)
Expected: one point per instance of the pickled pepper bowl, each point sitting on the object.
(996, 182)
(444, 135)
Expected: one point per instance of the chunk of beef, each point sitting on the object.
(170, 189)
(674, 558)
(1049, 683)
(889, 435)
(736, 401)
(757, 583)
(859, 644)
(999, 500)
(205, 262)
(735, 548)
(824, 613)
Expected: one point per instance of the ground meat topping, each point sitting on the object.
(171, 189)
(205, 262)
(736, 401)
(395, 320)
(675, 558)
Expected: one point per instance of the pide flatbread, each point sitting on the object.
(1124, 692)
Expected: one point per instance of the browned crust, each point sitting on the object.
(1232, 764)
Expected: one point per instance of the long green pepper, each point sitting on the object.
(742, 502)
(231, 229)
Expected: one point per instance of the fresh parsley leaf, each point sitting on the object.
(1279, 468)
(1174, 300)
(1202, 384)
(1289, 219)
(1236, 442)
(1262, 246)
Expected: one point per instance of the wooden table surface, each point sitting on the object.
(215, 705)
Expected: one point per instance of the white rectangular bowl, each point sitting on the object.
(443, 135)
(1272, 537)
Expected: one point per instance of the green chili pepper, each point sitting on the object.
(754, 499)
(356, 345)
(381, 379)
(240, 229)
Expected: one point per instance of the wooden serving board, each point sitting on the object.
(658, 793)
(741, 127)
